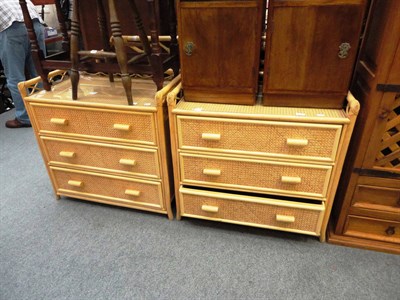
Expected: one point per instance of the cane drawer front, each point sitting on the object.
(101, 157)
(375, 229)
(267, 138)
(124, 190)
(299, 180)
(252, 211)
(95, 123)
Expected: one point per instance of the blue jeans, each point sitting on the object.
(15, 55)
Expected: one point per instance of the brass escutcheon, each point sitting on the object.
(344, 50)
(188, 48)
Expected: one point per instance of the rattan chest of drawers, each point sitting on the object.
(100, 149)
(270, 167)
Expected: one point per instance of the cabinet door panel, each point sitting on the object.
(225, 37)
(304, 47)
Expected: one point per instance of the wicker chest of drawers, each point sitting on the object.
(100, 149)
(270, 167)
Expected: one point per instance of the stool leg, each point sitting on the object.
(74, 50)
(120, 51)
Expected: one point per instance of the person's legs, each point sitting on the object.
(14, 48)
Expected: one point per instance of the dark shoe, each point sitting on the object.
(16, 124)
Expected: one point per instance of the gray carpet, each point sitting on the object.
(71, 249)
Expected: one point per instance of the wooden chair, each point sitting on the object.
(116, 58)
(45, 64)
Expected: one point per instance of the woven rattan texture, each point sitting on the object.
(389, 150)
(103, 156)
(111, 187)
(265, 112)
(265, 176)
(257, 213)
(97, 122)
(259, 137)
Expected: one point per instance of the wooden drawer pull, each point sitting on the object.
(132, 193)
(211, 136)
(212, 172)
(123, 127)
(59, 121)
(127, 162)
(209, 208)
(289, 179)
(75, 183)
(297, 142)
(285, 219)
(67, 154)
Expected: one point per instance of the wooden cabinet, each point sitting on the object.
(269, 167)
(219, 49)
(98, 148)
(310, 52)
(367, 210)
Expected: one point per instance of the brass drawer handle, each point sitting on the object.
(122, 127)
(67, 154)
(390, 230)
(344, 50)
(59, 121)
(134, 193)
(211, 136)
(210, 208)
(290, 179)
(212, 172)
(127, 162)
(297, 142)
(75, 183)
(188, 48)
(285, 219)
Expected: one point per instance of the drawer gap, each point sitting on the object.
(298, 200)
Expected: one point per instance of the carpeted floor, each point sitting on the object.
(71, 249)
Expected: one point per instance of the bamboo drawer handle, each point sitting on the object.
(285, 219)
(123, 127)
(132, 193)
(59, 121)
(75, 183)
(210, 208)
(67, 154)
(211, 136)
(289, 179)
(127, 162)
(212, 172)
(297, 142)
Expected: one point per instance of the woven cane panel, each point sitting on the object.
(103, 156)
(263, 175)
(97, 123)
(264, 112)
(111, 187)
(262, 137)
(248, 212)
(389, 150)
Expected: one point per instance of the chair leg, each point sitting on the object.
(156, 61)
(37, 53)
(173, 46)
(120, 51)
(74, 50)
(101, 19)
